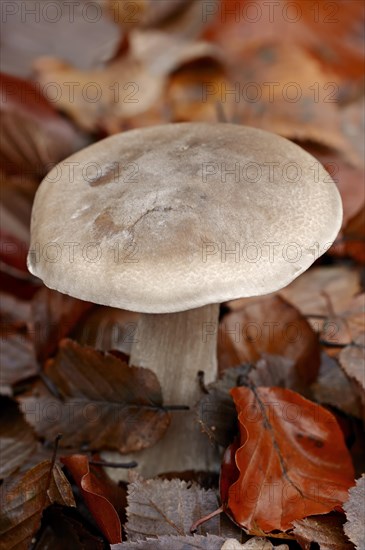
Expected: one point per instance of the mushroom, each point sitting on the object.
(170, 221)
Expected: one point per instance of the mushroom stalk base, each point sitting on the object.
(176, 346)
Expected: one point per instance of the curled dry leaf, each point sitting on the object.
(269, 325)
(125, 88)
(34, 136)
(101, 402)
(24, 504)
(291, 461)
(95, 486)
(355, 513)
(326, 531)
(160, 507)
(17, 439)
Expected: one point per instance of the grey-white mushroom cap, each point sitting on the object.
(175, 217)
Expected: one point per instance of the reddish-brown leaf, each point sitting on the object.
(95, 486)
(23, 505)
(33, 135)
(292, 461)
(54, 315)
(102, 403)
(269, 325)
(328, 30)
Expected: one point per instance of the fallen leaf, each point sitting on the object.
(125, 88)
(326, 531)
(331, 32)
(269, 325)
(292, 461)
(18, 359)
(352, 360)
(160, 507)
(216, 411)
(355, 511)
(14, 313)
(314, 289)
(354, 236)
(17, 439)
(34, 137)
(102, 401)
(23, 505)
(332, 387)
(195, 89)
(302, 110)
(196, 542)
(95, 486)
(54, 315)
(144, 13)
(254, 543)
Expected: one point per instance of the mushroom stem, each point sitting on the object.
(176, 346)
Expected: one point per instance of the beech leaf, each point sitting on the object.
(291, 463)
(23, 505)
(17, 439)
(270, 325)
(160, 507)
(196, 542)
(355, 513)
(102, 401)
(326, 531)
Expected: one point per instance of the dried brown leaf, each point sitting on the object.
(160, 507)
(326, 531)
(101, 402)
(196, 542)
(332, 387)
(125, 89)
(17, 439)
(54, 315)
(34, 136)
(355, 513)
(23, 505)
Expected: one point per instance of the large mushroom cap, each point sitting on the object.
(174, 217)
